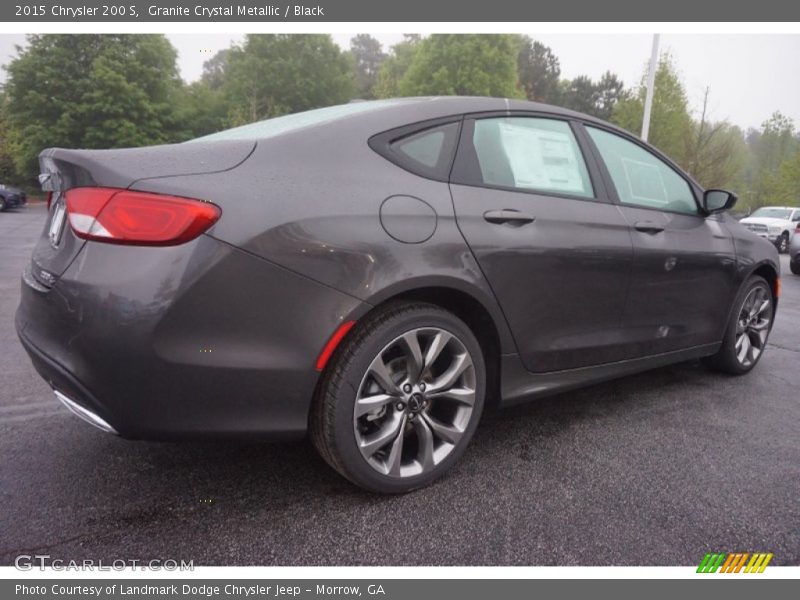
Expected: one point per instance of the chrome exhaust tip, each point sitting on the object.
(85, 414)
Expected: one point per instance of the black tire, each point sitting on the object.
(726, 359)
(333, 423)
(783, 243)
(794, 266)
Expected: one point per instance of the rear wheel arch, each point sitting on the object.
(367, 446)
(478, 319)
(473, 312)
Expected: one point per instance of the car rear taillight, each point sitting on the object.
(49, 199)
(120, 216)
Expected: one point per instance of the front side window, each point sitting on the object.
(530, 154)
(641, 178)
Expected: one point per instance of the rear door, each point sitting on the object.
(554, 249)
(684, 268)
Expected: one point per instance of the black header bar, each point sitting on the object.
(442, 11)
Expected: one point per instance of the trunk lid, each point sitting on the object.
(63, 169)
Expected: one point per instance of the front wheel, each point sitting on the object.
(794, 266)
(401, 399)
(748, 329)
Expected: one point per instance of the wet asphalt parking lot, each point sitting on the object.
(653, 469)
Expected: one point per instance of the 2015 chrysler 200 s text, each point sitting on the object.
(373, 273)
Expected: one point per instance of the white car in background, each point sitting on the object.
(776, 223)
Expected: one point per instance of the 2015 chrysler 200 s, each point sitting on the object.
(374, 273)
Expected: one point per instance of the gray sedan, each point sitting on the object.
(374, 274)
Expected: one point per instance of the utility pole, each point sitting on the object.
(651, 84)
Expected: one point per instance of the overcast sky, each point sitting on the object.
(750, 76)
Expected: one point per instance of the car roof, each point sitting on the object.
(370, 117)
(384, 115)
(379, 116)
(443, 106)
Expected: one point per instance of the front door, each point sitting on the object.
(684, 262)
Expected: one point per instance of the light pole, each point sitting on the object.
(651, 84)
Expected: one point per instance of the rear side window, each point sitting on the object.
(531, 154)
(427, 152)
(423, 148)
(640, 177)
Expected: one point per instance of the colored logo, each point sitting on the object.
(735, 562)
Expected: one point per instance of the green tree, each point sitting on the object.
(787, 186)
(463, 65)
(8, 173)
(214, 69)
(91, 91)
(203, 109)
(609, 90)
(271, 75)
(596, 98)
(539, 71)
(670, 120)
(578, 94)
(395, 66)
(715, 151)
(774, 144)
(368, 55)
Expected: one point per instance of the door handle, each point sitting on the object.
(508, 215)
(648, 227)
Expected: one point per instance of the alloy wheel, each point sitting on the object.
(752, 326)
(415, 402)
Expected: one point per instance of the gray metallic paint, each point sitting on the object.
(186, 352)
(220, 335)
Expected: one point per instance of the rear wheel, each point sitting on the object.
(794, 266)
(2, 204)
(400, 401)
(748, 329)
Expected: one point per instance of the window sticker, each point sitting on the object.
(541, 159)
(645, 183)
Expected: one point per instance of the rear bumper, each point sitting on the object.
(85, 414)
(200, 340)
(71, 392)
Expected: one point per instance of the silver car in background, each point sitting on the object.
(794, 252)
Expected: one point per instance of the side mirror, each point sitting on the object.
(715, 201)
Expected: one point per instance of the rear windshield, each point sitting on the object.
(773, 213)
(278, 125)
